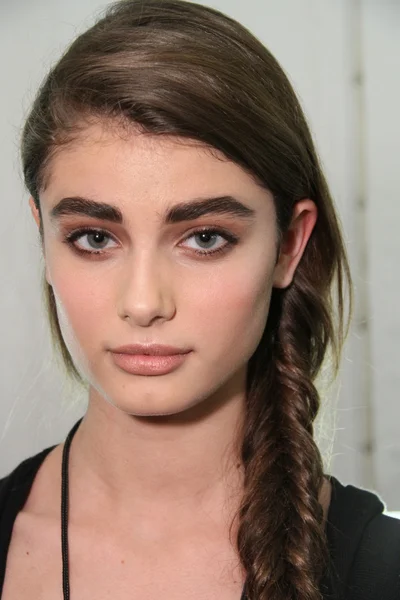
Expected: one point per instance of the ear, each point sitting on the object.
(35, 211)
(36, 216)
(294, 242)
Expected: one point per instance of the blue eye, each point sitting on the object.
(230, 240)
(93, 236)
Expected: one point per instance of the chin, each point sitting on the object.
(158, 412)
(145, 404)
(154, 397)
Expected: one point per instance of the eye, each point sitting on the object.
(96, 240)
(207, 236)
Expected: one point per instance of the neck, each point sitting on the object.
(178, 465)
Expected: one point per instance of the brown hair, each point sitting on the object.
(178, 68)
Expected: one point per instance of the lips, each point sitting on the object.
(148, 364)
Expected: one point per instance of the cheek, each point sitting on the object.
(81, 306)
(70, 334)
(232, 309)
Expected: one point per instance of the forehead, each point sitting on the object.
(120, 165)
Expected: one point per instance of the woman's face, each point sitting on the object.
(145, 280)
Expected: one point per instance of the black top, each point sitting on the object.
(364, 544)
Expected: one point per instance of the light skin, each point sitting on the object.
(158, 452)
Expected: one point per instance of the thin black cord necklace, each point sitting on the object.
(64, 510)
(64, 513)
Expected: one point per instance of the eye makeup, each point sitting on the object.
(81, 233)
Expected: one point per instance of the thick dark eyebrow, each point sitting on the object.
(186, 211)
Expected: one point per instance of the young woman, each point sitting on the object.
(195, 280)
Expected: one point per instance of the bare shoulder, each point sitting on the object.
(45, 494)
(35, 536)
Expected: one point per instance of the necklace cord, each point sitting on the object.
(64, 511)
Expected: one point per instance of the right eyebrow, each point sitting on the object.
(186, 211)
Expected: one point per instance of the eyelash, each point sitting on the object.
(73, 236)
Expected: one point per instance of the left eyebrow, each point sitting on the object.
(186, 211)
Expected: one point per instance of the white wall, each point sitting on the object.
(343, 59)
(381, 27)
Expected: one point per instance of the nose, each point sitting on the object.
(145, 291)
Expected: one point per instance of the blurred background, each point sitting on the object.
(343, 58)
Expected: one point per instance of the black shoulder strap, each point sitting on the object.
(375, 573)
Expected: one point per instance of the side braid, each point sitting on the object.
(281, 539)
